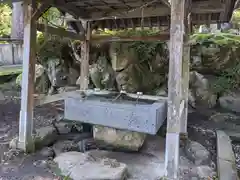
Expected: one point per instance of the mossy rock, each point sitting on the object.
(19, 80)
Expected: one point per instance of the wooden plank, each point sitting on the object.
(225, 158)
(27, 100)
(85, 47)
(167, 3)
(109, 38)
(60, 32)
(41, 100)
(177, 34)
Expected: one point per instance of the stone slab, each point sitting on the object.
(127, 115)
(140, 166)
(80, 166)
(225, 158)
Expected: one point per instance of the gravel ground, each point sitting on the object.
(236, 149)
(199, 122)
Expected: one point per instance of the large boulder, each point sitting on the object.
(116, 138)
(200, 93)
(45, 136)
(230, 101)
(39, 70)
(56, 72)
(134, 73)
(102, 74)
(121, 54)
(80, 166)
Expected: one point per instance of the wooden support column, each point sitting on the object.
(25, 141)
(85, 47)
(186, 69)
(177, 88)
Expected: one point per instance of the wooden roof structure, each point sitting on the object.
(115, 14)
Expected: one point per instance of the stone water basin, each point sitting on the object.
(132, 112)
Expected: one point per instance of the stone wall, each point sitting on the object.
(11, 53)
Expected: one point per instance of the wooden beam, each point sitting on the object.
(27, 100)
(11, 40)
(71, 9)
(226, 14)
(175, 101)
(40, 11)
(109, 38)
(60, 32)
(85, 47)
(167, 3)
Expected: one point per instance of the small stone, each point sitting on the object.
(197, 153)
(80, 166)
(63, 128)
(65, 146)
(223, 117)
(47, 152)
(45, 136)
(41, 164)
(14, 143)
(153, 145)
(205, 172)
(230, 102)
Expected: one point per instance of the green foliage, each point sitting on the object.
(145, 50)
(236, 17)
(228, 81)
(5, 20)
(131, 32)
(221, 39)
(52, 16)
(51, 47)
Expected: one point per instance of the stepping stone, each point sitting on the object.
(80, 166)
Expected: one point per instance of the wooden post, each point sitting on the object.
(27, 100)
(186, 69)
(85, 47)
(84, 78)
(176, 101)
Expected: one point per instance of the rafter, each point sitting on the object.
(40, 10)
(60, 32)
(166, 2)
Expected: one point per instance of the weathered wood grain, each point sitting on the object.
(85, 47)
(27, 99)
(176, 87)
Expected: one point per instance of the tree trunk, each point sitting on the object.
(17, 20)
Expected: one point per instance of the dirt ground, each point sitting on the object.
(16, 165)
